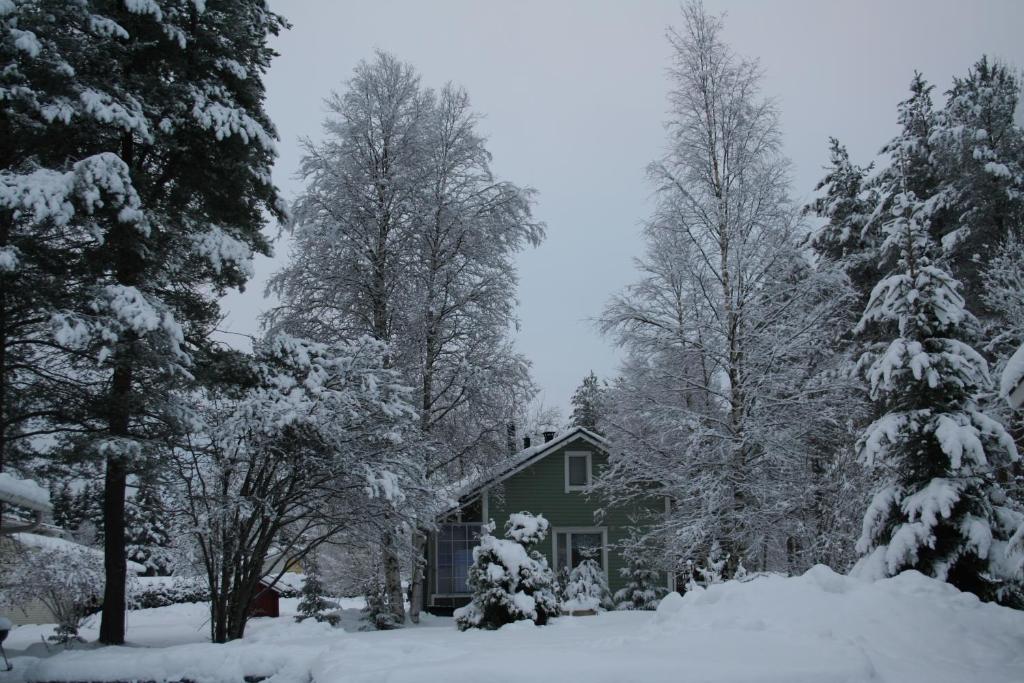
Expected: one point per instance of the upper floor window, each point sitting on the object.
(577, 471)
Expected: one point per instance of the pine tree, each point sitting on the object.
(147, 533)
(510, 583)
(643, 589)
(586, 404)
(587, 588)
(942, 512)
(88, 513)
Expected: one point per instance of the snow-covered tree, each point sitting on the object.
(313, 604)
(509, 582)
(587, 588)
(305, 447)
(159, 187)
(148, 533)
(727, 403)
(65, 577)
(644, 587)
(942, 511)
(586, 404)
(403, 233)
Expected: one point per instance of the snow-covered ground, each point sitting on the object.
(820, 628)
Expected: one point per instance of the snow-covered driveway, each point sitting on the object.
(820, 628)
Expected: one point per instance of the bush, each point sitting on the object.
(161, 591)
(587, 588)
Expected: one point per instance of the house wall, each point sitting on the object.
(540, 489)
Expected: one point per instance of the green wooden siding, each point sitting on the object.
(540, 489)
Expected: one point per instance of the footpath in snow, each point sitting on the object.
(817, 628)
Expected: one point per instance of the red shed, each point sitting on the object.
(266, 602)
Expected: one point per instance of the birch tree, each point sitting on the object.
(404, 233)
(727, 325)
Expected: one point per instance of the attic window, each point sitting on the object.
(577, 471)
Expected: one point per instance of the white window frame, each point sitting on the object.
(590, 470)
(569, 531)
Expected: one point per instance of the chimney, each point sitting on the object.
(510, 437)
(526, 442)
(548, 436)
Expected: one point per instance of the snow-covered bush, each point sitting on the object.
(161, 591)
(509, 582)
(714, 567)
(65, 577)
(642, 590)
(587, 588)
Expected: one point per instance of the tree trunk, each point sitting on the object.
(112, 623)
(419, 545)
(393, 579)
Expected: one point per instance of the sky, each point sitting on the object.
(573, 94)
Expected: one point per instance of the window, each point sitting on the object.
(455, 543)
(577, 471)
(572, 546)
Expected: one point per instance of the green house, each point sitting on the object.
(552, 479)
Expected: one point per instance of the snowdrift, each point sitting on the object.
(821, 627)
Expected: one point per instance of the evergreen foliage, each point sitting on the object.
(586, 404)
(148, 530)
(643, 589)
(587, 588)
(943, 511)
(508, 582)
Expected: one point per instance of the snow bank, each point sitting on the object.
(23, 492)
(817, 628)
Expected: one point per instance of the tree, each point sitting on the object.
(942, 511)
(64, 576)
(304, 446)
(148, 532)
(643, 589)
(587, 588)
(164, 177)
(403, 233)
(586, 404)
(508, 582)
(727, 403)
(313, 603)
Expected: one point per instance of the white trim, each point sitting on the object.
(485, 506)
(569, 488)
(603, 530)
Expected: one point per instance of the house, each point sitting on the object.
(552, 479)
(267, 602)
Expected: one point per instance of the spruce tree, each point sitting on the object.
(509, 582)
(643, 589)
(587, 588)
(313, 603)
(148, 534)
(63, 501)
(586, 404)
(942, 511)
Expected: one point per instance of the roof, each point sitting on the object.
(526, 457)
(23, 493)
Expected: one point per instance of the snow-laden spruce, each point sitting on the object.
(943, 512)
(509, 581)
(587, 588)
(644, 587)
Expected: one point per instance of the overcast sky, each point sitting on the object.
(573, 94)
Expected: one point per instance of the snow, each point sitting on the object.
(819, 627)
(53, 543)
(1011, 386)
(23, 492)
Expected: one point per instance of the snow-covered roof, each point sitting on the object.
(52, 543)
(23, 493)
(1012, 385)
(506, 468)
